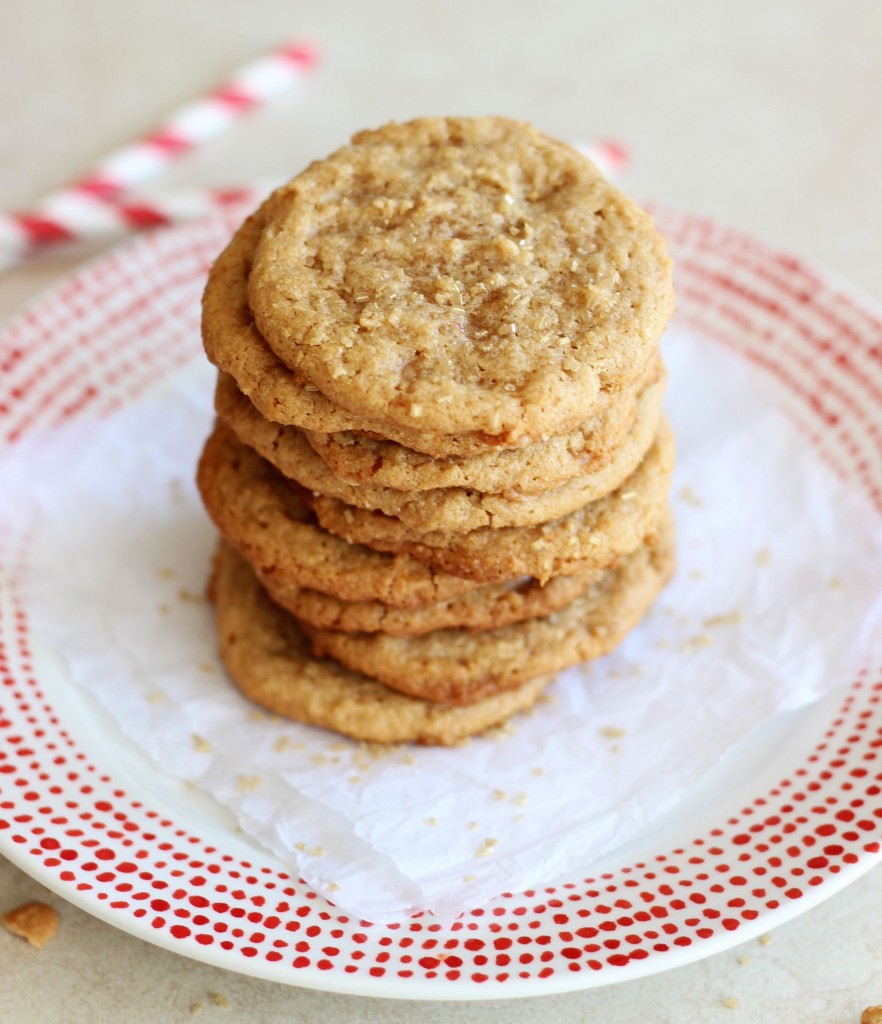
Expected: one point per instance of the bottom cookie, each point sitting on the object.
(271, 662)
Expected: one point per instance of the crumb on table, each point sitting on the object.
(35, 922)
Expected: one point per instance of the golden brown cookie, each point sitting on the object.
(451, 508)
(233, 344)
(266, 519)
(461, 275)
(489, 607)
(591, 538)
(270, 661)
(460, 667)
(358, 459)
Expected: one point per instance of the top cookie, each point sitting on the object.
(460, 275)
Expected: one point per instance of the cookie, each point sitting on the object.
(489, 607)
(459, 667)
(270, 661)
(461, 275)
(453, 508)
(268, 522)
(358, 459)
(591, 538)
(235, 346)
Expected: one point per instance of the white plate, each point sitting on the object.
(789, 817)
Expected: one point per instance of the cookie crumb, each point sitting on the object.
(695, 643)
(196, 1008)
(743, 960)
(611, 732)
(432, 821)
(218, 999)
(189, 597)
(469, 878)
(248, 783)
(34, 921)
(764, 940)
(835, 583)
(872, 1015)
(164, 573)
(486, 848)
(731, 1003)
(763, 556)
(313, 851)
(732, 618)
(690, 497)
(200, 744)
(281, 744)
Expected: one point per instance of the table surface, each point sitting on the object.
(765, 116)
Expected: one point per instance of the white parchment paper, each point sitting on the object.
(776, 597)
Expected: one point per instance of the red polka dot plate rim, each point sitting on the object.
(789, 818)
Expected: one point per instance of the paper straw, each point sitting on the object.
(609, 157)
(89, 206)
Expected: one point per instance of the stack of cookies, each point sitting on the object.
(440, 467)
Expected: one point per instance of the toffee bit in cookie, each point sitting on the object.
(871, 1015)
(35, 922)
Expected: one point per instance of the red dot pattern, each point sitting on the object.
(107, 333)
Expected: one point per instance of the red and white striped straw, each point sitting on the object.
(92, 205)
(608, 156)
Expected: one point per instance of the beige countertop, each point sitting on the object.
(763, 115)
